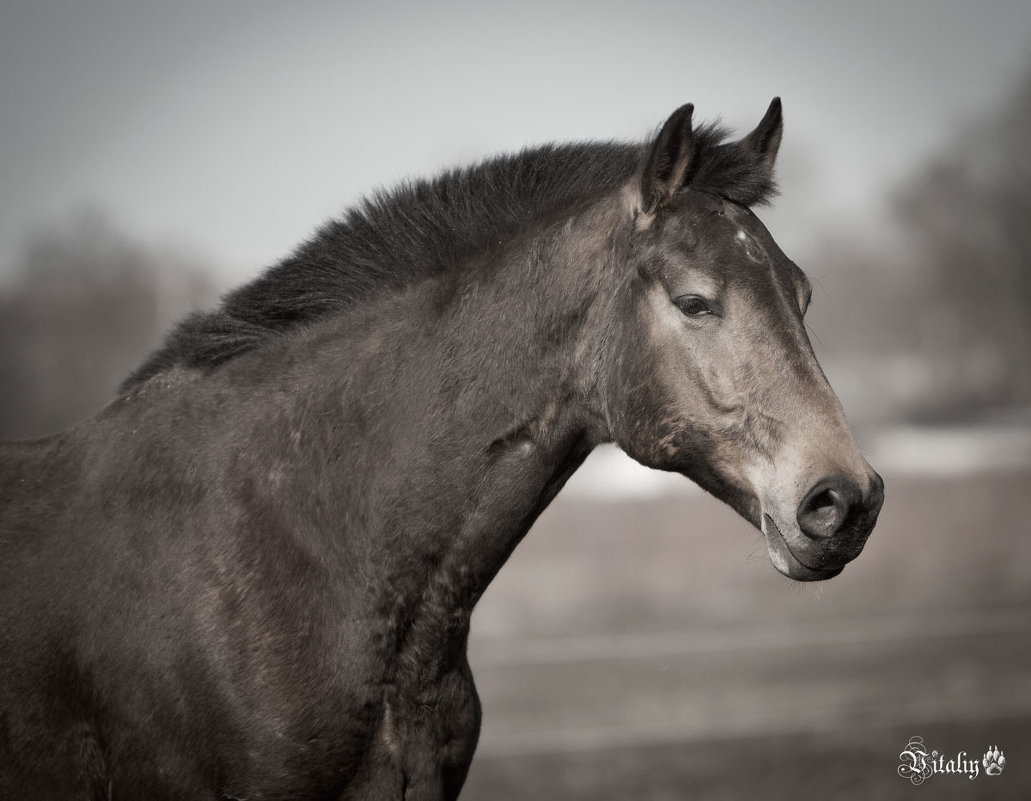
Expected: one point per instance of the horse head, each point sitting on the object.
(713, 375)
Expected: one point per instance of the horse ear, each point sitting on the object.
(764, 141)
(668, 160)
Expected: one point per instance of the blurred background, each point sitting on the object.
(638, 644)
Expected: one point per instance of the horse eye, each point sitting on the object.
(692, 305)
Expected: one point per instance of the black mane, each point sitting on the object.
(430, 226)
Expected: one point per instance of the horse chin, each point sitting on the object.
(787, 563)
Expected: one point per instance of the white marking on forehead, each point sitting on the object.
(753, 249)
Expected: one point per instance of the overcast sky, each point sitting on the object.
(236, 127)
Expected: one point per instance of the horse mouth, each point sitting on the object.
(787, 563)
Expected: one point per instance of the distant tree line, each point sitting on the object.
(970, 215)
(83, 307)
(929, 318)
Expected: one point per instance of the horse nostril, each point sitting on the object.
(825, 509)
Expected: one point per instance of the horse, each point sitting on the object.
(251, 575)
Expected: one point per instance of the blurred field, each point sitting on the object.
(648, 650)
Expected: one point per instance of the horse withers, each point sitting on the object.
(251, 575)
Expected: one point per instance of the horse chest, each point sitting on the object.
(401, 727)
(428, 733)
(414, 741)
(427, 711)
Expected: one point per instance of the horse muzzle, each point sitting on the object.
(831, 526)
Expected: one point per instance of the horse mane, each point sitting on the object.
(426, 227)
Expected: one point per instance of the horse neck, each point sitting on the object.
(465, 405)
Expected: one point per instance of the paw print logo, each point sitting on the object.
(993, 761)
